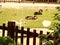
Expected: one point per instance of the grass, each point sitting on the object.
(18, 14)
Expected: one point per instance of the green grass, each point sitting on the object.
(18, 14)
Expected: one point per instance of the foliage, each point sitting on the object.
(49, 43)
(56, 27)
(55, 36)
(42, 36)
(45, 39)
(58, 0)
(56, 20)
(7, 41)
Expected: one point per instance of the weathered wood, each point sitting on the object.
(41, 32)
(28, 30)
(40, 41)
(34, 37)
(22, 29)
(3, 31)
(19, 1)
(13, 33)
(19, 31)
(4, 1)
(33, 1)
(16, 38)
(48, 33)
(25, 32)
(1, 27)
(11, 28)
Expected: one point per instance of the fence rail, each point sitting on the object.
(12, 31)
(31, 1)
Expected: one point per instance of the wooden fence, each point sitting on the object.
(31, 1)
(12, 31)
(10, 1)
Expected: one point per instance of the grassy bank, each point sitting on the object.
(18, 14)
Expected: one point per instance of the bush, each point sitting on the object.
(49, 43)
(7, 41)
(56, 27)
(58, 0)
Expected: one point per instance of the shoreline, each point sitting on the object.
(28, 5)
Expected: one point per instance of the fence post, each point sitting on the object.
(16, 38)
(18, 1)
(49, 36)
(48, 33)
(3, 31)
(41, 32)
(34, 37)
(4, 1)
(11, 27)
(48, 1)
(22, 29)
(28, 29)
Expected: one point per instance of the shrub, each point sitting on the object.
(7, 41)
(56, 27)
(58, 0)
(49, 43)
